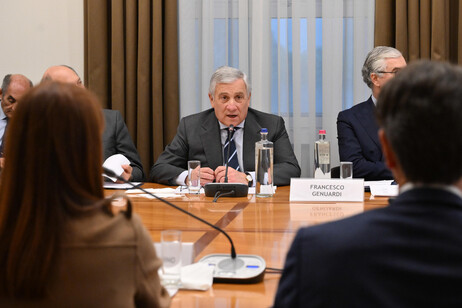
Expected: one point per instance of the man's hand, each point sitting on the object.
(127, 174)
(233, 175)
(207, 176)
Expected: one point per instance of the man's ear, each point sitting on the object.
(1, 92)
(374, 78)
(390, 157)
(211, 99)
(391, 160)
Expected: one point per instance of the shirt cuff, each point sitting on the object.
(180, 180)
(252, 173)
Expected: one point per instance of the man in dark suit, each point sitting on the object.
(408, 254)
(14, 86)
(357, 128)
(202, 136)
(116, 138)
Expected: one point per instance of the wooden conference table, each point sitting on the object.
(261, 226)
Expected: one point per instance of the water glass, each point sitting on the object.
(346, 170)
(194, 176)
(171, 256)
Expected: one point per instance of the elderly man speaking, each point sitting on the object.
(202, 137)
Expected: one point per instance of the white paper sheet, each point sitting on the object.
(114, 163)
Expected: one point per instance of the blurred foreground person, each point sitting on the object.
(116, 138)
(61, 245)
(408, 254)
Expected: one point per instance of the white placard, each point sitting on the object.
(329, 190)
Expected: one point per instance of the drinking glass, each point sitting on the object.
(194, 176)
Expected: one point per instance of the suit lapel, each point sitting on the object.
(367, 119)
(211, 141)
(251, 135)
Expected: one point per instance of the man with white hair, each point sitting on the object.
(203, 137)
(357, 128)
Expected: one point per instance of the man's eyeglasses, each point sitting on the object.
(383, 72)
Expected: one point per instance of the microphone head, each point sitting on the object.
(231, 128)
(109, 172)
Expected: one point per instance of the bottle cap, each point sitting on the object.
(264, 130)
(322, 131)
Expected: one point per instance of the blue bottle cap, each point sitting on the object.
(264, 130)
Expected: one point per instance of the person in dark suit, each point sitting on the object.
(409, 253)
(116, 138)
(202, 136)
(357, 128)
(14, 86)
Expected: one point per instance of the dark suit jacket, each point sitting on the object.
(406, 255)
(198, 138)
(359, 143)
(117, 140)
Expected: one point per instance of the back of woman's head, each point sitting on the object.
(54, 143)
(53, 158)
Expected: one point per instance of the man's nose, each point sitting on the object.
(231, 104)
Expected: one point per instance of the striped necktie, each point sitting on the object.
(233, 162)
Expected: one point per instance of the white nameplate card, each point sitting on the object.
(329, 190)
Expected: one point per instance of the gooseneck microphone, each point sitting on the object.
(218, 190)
(237, 269)
(111, 173)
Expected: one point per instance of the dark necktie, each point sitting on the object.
(233, 162)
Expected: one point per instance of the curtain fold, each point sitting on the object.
(131, 63)
(420, 29)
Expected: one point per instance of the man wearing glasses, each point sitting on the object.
(357, 128)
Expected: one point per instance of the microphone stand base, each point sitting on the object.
(240, 190)
(245, 269)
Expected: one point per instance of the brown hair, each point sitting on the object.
(52, 172)
(420, 112)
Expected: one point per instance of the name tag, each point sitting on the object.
(329, 190)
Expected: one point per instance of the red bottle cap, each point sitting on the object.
(322, 131)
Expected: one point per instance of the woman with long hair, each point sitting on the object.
(60, 242)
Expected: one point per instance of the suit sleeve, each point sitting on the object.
(284, 160)
(350, 150)
(288, 292)
(173, 160)
(149, 291)
(126, 147)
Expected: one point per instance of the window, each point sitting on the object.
(303, 58)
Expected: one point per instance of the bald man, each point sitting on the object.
(14, 86)
(116, 138)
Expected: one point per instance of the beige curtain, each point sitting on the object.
(131, 63)
(420, 29)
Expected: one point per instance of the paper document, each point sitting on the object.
(160, 192)
(115, 163)
(110, 185)
(384, 190)
(376, 183)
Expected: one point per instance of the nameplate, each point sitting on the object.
(329, 190)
